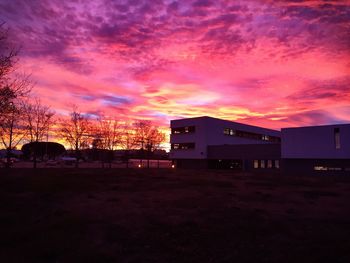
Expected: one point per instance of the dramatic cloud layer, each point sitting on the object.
(270, 63)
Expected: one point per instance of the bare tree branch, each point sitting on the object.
(12, 129)
(8, 54)
(37, 120)
(76, 131)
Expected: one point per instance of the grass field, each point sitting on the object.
(146, 215)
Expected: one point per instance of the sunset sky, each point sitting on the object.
(270, 63)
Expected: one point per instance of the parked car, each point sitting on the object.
(68, 160)
(52, 163)
(12, 160)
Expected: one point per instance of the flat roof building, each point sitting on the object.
(206, 142)
(316, 149)
(193, 140)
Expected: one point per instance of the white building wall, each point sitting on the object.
(210, 131)
(216, 136)
(199, 137)
(317, 142)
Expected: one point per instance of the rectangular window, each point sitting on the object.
(256, 164)
(265, 138)
(277, 164)
(274, 139)
(269, 163)
(334, 168)
(182, 146)
(320, 168)
(251, 135)
(337, 138)
(183, 130)
(230, 132)
(262, 163)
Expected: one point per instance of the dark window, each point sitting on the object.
(183, 146)
(251, 135)
(269, 163)
(262, 163)
(182, 130)
(265, 137)
(337, 138)
(229, 132)
(277, 164)
(274, 139)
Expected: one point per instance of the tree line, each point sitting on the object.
(24, 118)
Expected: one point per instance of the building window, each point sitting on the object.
(230, 132)
(262, 163)
(320, 168)
(182, 146)
(183, 130)
(326, 168)
(265, 138)
(269, 163)
(251, 135)
(277, 164)
(337, 138)
(334, 168)
(256, 164)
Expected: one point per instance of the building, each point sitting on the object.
(206, 142)
(316, 149)
(245, 157)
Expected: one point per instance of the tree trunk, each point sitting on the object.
(76, 159)
(76, 155)
(34, 161)
(35, 153)
(9, 149)
(8, 158)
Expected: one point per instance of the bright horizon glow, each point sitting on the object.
(268, 63)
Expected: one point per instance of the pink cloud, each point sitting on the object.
(270, 63)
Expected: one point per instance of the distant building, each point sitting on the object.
(206, 142)
(316, 149)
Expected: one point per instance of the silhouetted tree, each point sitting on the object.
(148, 137)
(76, 132)
(38, 119)
(12, 129)
(12, 86)
(128, 140)
(128, 137)
(110, 133)
(8, 53)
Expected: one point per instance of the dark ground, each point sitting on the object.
(171, 216)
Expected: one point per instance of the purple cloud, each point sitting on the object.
(336, 89)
